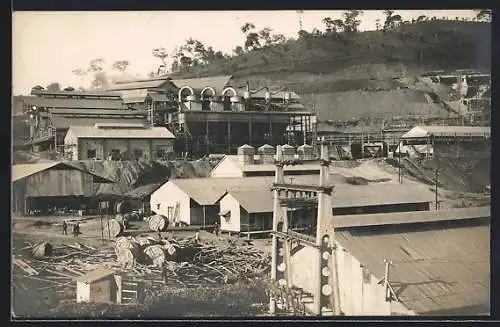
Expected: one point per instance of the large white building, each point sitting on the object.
(113, 141)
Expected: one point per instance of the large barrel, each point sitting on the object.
(128, 251)
(155, 254)
(158, 223)
(42, 250)
(115, 228)
(123, 219)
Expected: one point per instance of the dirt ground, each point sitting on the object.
(32, 297)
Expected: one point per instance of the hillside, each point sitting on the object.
(369, 74)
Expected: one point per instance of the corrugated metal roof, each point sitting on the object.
(113, 112)
(75, 103)
(378, 219)
(94, 132)
(134, 100)
(94, 275)
(434, 270)
(24, 170)
(143, 191)
(77, 93)
(464, 131)
(219, 83)
(65, 122)
(146, 84)
(158, 97)
(344, 195)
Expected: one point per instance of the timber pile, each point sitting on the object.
(42, 250)
(158, 223)
(115, 228)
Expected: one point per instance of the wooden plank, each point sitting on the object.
(24, 266)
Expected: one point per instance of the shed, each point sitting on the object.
(100, 286)
(448, 131)
(252, 210)
(40, 185)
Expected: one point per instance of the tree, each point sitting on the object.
(352, 21)
(160, 53)
(80, 73)
(421, 18)
(378, 25)
(247, 27)
(120, 65)
(238, 51)
(69, 89)
(100, 78)
(54, 87)
(484, 15)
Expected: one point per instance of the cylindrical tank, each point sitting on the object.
(237, 103)
(216, 103)
(288, 152)
(42, 250)
(158, 223)
(266, 153)
(246, 154)
(305, 152)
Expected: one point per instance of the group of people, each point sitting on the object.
(76, 229)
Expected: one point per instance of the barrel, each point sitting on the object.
(155, 255)
(145, 241)
(42, 250)
(158, 223)
(115, 228)
(128, 251)
(123, 219)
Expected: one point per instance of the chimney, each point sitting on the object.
(246, 154)
(306, 152)
(266, 153)
(288, 152)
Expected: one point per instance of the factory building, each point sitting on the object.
(118, 141)
(421, 140)
(210, 115)
(252, 210)
(248, 163)
(195, 201)
(39, 188)
(50, 114)
(407, 263)
(439, 263)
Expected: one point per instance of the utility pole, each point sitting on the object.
(436, 175)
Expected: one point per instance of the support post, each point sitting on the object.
(229, 135)
(207, 138)
(204, 218)
(436, 174)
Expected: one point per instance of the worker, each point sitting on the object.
(65, 228)
(75, 230)
(197, 236)
(216, 229)
(164, 272)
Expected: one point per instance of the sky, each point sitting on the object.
(48, 46)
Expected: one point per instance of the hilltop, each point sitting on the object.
(368, 73)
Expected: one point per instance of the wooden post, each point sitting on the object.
(436, 173)
(386, 280)
(249, 129)
(229, 135)
(204, 217)
(207, 140)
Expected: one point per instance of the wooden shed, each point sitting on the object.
(50, 182)
(101, 286)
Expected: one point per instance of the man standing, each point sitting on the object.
(216, 230)
(65, 228)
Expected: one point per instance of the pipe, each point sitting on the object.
(207, 88)
(184, 88)
(229, 89)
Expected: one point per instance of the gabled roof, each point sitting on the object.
(76, 132)
(69, 103)
(111, 112)
(25, 170)
(143, 191)
(461, 131)
(219, 83)
(437, 270)
(61, 122)
(103, 94)
(259, 167)
(344, 195)
(94, 275)
(145, 84)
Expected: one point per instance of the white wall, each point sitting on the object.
(82, 292)
(232, 223)
(168, 195)
(356, 296)
(226, 168)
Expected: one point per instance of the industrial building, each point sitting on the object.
(249, 164)
(195, 201)
(252, 210)
(209, 115)
(408, 263)
(39, 188)
(421, 140)
(118, 141)
(50, 114)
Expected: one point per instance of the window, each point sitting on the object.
(91, 154)
(115, 154)
(138, 154)
(205, 105)
(161, 153)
